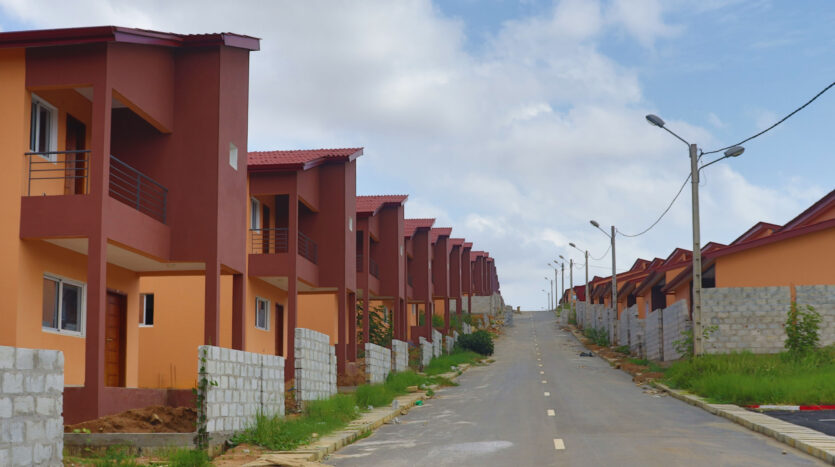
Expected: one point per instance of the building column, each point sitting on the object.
(211, 326)
(239, 312)
(341, 329)
(292, 284)
(458, 310)
(366, 294)
(446, 315)
(352, 328)
(429, 311)
(95, 326)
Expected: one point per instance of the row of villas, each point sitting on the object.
(797, 253)
(138, 226)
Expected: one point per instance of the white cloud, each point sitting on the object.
(516, 147)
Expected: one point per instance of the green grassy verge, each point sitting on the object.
(653, 367)
(119, 456)
(444, 363)
(745, 378)
(327, 416)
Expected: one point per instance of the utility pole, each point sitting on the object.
(588, 295)
(571, 277)
(562, 273)
(698, 345)
(614, 276)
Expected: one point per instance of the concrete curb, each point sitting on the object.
(805, 439)
(367, 423)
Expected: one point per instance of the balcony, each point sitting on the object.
(271, 241)
(54, 173)
(373, 268)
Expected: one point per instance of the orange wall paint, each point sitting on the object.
(319, 312)
(15, 141)
(259, 340)
(803, 260)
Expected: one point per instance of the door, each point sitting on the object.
(114, 340)
(279, 329)
(75, 180)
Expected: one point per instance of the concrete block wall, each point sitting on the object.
(466, 328)
(676, 320)
(437, 343)
(623, 328)
(822, 297)
(455, 336)
(747, 318)
(636, 332)
(612, 325)
(399, 355)
(449, 344)
(377, 363)
(489, 305)
(315, 365)
(31, 404)
(653, 340)
(243, 384)
(427, 351)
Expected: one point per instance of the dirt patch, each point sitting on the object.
(239, 455)
(154, 419)
(641, 374)
(354, 374)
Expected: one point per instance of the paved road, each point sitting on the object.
(821, 420)
(499, 416)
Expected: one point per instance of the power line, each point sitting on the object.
(662, 214)
(778, 122)
(605, 253)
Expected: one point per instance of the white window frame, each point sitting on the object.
(144, 309)
(233, 156)
(258, 301)
(82, 319)
(52, 138)
(254, 214)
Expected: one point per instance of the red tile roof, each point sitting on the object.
(302, 159)
(456, 241)
(812, 212)
(371, 204)
(413, 224)
(438, 232)
(476, 254)
(468, 245)
(86, 35)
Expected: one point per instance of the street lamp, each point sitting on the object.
(735, 151)
(556, 284)
(562, 289)
(586, 252)
(570, 275)
(614, 266)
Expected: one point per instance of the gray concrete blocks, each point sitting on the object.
(652, 335)
(399, 355)
(745, 318)
(427, 351)
(822, 298)
(31, 407)
(437, 342)
(241, 385)
(315, 365)
(676, 322)
(377, 363)
(449, 344)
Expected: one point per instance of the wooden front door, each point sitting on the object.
(75, 179)
(114, 340)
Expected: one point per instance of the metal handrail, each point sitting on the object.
(308, 248)
(59, 166)
(136, 189)
(268, 241)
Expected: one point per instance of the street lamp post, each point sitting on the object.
(550, 301)
(586, 253)
(698, 344)
(614, 267)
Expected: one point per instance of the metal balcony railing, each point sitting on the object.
(373, 268)
(58, 172)
(267, 241)
(359, 261)
(136, 189)
(308, 248)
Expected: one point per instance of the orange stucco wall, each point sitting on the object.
(36, 259)
(169, 347)
(802, 260)
(319, 312)
(439, 307)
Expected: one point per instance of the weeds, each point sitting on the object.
(746, 378)
(444, 363)
(188, 458)
(802, 326)
(624, 349)
(598, 336)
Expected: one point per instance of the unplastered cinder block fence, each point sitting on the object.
(652, 334)
(636, 331)
(676, 323)
(31, 404)
(399, 355)
(753, 318)
(238, 386)
(623, 328)
(377, 363)
(449, 344)
(427, 351)
(437, 342)
(315, 365)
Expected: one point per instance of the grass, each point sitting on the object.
(188, 458)
(117, 456)
(444, 363)
(746, 378)
(326, 416)
(653, 367)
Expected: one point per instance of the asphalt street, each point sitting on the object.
(821, 420)
(541, 404)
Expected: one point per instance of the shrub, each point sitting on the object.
(444, 363)
(802, 330)
(188, 458)
(380, 331)
(480, 342)
(468, 318)
(598, 336)
(437, 322)
(455, 322)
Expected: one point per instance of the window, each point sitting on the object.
(254, 214)
(43, 130)
(63, 305)
(146, 316)
(262, 313)
(233, 156)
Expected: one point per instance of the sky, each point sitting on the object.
(515, 122)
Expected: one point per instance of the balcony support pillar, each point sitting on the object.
(292, 283)
(239, 312)
(211, 322)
